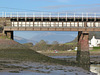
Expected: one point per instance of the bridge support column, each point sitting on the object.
(83, 55)
(9, 34)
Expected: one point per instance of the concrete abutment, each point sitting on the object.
(9, 34)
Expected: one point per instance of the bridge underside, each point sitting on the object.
(82, 25)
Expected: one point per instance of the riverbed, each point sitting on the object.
(95, 68)
(34, 68)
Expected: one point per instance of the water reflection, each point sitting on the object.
(40, 69)
(83, 59)
(95, 68)
(53, 70)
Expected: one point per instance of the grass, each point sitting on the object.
(69, 53)
(4, 37)
(95, 49)
(71, 43)
(30, 55)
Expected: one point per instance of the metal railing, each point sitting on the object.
(48, 14)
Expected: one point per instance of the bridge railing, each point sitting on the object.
(48, 14)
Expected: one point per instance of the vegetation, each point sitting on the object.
(4, 37)
(96, 49)
(29, 55)
(28, 44)
(44, 46)
(71, 43)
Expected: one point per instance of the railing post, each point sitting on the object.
(74, 16)
(82, 16)
(25, 16)
(17, 16)
(58, 16)
(33, 19)
(17, 20)
(11, 14)
(42, 16)
(94, 16)
(66, 16)
(2, 14)
(5, 14)
(87, 16)
(50, 16)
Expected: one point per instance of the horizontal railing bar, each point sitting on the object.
(72, 14)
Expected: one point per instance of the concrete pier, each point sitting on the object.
(83, 55)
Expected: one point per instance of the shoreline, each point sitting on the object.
(94, 58)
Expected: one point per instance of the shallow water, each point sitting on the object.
(54, 72)
(95, 68)
(68, 56)
(39, 69)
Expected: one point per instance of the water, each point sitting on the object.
(40, 69)
(51, 71)
(68, 56)
(95, 68)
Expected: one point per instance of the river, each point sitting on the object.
(40, 69)
(95, 68)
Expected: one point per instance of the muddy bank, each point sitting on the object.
(11, 67)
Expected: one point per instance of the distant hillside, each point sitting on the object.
(91, 34)
(23, 40)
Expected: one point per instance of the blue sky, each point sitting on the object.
(30, 34)
(50, 36)
(48, 6)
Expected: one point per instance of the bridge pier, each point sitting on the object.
(9, 34)
(83, 55)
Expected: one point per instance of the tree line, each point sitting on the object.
(43, 46)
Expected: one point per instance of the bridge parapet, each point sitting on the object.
(48, 14)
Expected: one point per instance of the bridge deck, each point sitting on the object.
(51, 22)
(51, 29)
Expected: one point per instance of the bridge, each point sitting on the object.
(53, 21)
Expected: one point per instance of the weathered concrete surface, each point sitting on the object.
(9, 34)
(83, 55)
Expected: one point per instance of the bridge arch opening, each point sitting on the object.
(50, 36)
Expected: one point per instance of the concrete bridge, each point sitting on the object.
(54, 21)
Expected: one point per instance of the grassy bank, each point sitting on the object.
(29, 55)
